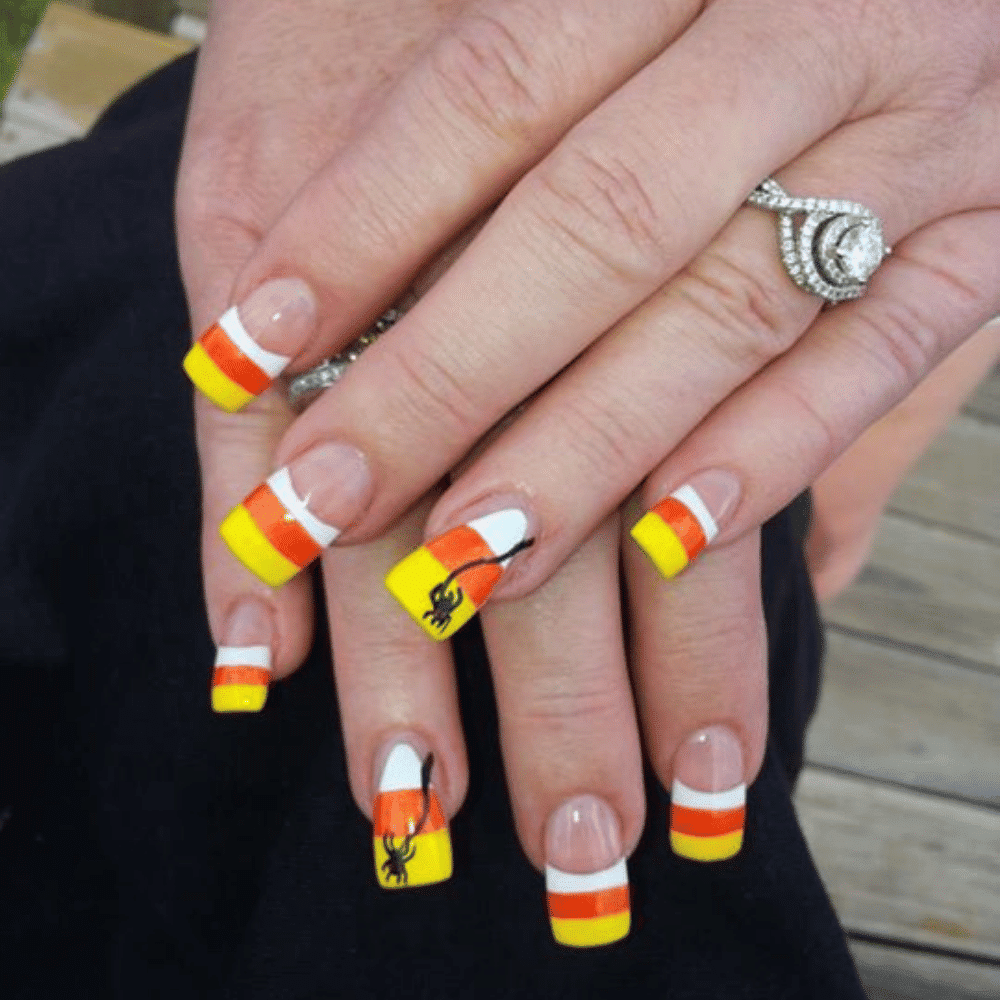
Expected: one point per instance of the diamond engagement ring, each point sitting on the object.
(303, 388)
(838, 245)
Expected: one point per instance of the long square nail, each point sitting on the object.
(708, 798)
(230, 363)
(675, 531)
(410, 835)
(446, 581)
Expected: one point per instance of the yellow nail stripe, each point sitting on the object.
(593, 932)
(239, 697)
(430, 863)
(219, 388)
(411, 581)
(657, 539)
(706, 848)
(251, 546)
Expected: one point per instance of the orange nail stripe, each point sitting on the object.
(395, 811)
(232, 362)
(241, 675)
(462, 545)
(683, 523)
(280, 528)
(578, 905)
(706, 822)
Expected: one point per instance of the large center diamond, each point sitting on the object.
(860, 250)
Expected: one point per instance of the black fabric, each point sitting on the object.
(149, 848)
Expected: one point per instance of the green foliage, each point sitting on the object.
(18, 19)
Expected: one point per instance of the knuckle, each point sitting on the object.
(485, 71)
(585, 703)
(600, 433)
(431, 393)
(755, 317)
(897, 339)
(602, 205)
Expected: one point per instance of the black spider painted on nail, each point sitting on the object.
(445, 601)
(395, 865)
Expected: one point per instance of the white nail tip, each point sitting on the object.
(281, 485)
(243, 656)
(690, 798)
(688, 496)
(401, 770)
(567, 882)
(272, 364)
(502, 530)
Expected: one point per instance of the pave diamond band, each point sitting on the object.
(303, 388)
(836, 248)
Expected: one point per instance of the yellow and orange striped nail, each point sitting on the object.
(410, 835)
(676, 530)
(241, 678)
(586, 911)
(586, 877)
(276, 533)
(230, 362)
(447, 580)
(708, 798)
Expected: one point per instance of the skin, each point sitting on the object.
(687, 357)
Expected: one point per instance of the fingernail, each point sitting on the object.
(447, 580)
(242, 672)
(708, 800)
(287, 521)
(231, 362)
(676, 530)
(409, 829)
(586, 877)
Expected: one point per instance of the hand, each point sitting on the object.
(630, 136)
(568, 717)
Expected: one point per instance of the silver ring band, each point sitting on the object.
(304, 387)
(836, 248)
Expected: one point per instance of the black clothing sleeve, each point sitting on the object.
(149, 848)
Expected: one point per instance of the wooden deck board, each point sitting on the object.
(911, 706)
(909, 719)
(985, 402)
(903, 974)
(906, 866)
(928, 588)
(957, 482)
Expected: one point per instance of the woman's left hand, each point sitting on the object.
(624, 266)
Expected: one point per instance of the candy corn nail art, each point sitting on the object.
(410, 835)
(241, 678)
(707, 826)
(446, 581)
(229, 366)
(273, 533)
(589, 910)
(675, 531)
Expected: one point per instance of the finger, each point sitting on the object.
(779, 432)
(570, 743)
(699, 660)
(485, 103)
(434, 398)
(260, 634)
(399, 713)
(593, 434)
